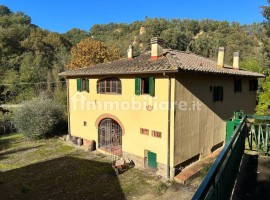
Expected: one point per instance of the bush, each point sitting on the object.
(39, 117)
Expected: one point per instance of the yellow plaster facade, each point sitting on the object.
(82, 109)
(191, 132)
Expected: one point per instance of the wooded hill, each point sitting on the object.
(200, 37)
(31, 58)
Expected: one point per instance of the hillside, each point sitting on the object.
(32, 57)
(200, 37)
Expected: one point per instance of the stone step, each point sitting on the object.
(192, 170)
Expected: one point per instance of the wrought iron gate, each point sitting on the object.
(110, 137)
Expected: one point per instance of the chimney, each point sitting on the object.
(220, 62)
(236, 60)
(156, 48)
(130, 52)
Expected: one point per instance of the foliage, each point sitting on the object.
(31, 58)
(263, 107)
(75, 35)
(4, 10)
(37, 118)
(90, 52)
(161, 188)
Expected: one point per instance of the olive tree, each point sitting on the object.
(38, 118)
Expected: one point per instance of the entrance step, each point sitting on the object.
(191, 171)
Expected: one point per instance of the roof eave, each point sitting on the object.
(219, 73)
(123, 73)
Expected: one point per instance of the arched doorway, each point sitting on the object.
(110, 136)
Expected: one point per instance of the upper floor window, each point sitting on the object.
(253, 85)
(82, 84)
(109, 86)
(238, 85)
(145, 86)
(217, 93)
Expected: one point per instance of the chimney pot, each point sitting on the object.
(220, 62)
(130, 52)
(236, 60)
(156, 48)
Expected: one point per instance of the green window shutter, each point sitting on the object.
(152, 86)
(87, 85)
(79, 84)
(137, 86)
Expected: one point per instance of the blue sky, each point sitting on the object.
(62, 15)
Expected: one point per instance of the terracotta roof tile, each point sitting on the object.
(172, 61)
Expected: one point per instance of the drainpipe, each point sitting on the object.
(169, 125)
(68, 107)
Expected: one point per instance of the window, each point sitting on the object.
(253, 85)
(145, 86)
(144, 131)
(238, 85)
(217, 93)
(156, 134)
(82, 84)
(109, 86)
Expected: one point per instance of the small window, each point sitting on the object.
(238, 85)
(109, 86)
(144, 131)
(84, 123)
(82, 84)
(217, 93)
(253, 85)
(145, 86)
(156, 134)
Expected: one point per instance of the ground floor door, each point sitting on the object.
(110, 136)
(152, 159)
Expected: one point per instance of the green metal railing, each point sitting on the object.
(259, 133)
(220, 180)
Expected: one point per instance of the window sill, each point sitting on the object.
(114, 94)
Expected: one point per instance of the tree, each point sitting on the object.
(176, 39)
(90, 52)
(38, 118)
(4, 10)
(266, 15)
(263, 107)
(75, 35)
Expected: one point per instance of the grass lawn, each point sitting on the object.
(50, 169)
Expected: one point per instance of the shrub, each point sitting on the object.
(38, 118)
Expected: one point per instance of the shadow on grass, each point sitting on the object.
(4, 143)
(4, 154)
(62, 178)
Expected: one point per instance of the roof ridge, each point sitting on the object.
(171, 60)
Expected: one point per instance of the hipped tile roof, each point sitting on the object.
(171, 61)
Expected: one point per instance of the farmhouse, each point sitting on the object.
(163, 109)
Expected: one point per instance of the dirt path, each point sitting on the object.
(254, 178)
(183, 193)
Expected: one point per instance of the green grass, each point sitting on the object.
(50, 169)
